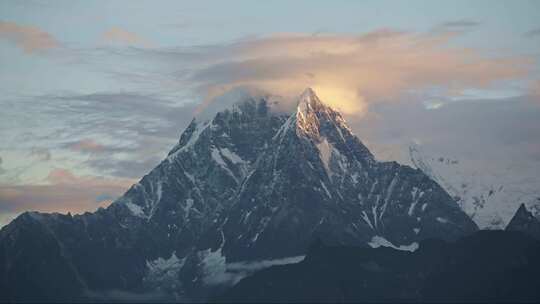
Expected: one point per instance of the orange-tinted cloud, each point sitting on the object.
(66, 177)
(87, 146)
(535, 90)
(64, 192)
(29, 38)
(351, 72)
(121, 36)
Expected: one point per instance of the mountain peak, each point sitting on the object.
(522, 214)
(309, 101)
(523, 210)
(525, 221)
(308, 93)
(310, 111)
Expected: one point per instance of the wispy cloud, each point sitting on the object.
(64, 192)
(114, 134)
(2, 170)
(349, 71)
(464, 129)
(41, 154)
(533, 33)
(534, 90)
(120, 36)
(31, 39)
(232, 273)
(458, 25)
(86, 145)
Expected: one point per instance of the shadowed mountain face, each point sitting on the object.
(525, 222)
(244, 184)
(489, 266)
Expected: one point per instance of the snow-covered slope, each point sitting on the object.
(489, 196)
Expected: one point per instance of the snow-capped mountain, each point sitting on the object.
(490, 196)
(245, 185)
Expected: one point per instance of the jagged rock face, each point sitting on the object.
(525, 222)
(249, 183)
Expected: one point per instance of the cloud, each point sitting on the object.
(31, 39)
(42, 154)
(123, 134)
(65, 192)
(232, 273)
(533, 33)
(458, 25)
(119, 36)
(130, 168)
(348, 71)
(252, 266)
(87, 146)
(492, 134)
(2, 170)
(135, 130)
(104, 197)
(534, 90)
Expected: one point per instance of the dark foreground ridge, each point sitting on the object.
(489, 266)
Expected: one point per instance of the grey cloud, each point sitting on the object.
(2, 170)
(500, 132)
(458, 25)
(118, 108)
(126, 168)
(141, 126)
(42, 154)
(123, 134)
(533, 33)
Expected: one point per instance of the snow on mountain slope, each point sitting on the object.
(490, 196)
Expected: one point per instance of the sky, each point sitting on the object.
(95, 93)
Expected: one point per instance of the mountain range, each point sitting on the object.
(247, 186)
